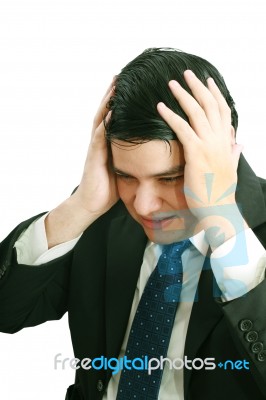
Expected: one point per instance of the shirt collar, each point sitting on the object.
(197, 240)
(200, 243)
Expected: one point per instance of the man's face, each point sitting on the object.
(150, 180)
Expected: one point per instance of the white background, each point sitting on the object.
(56, 59)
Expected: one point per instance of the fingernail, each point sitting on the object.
(189, 72)
(108, 116)
(174, 84)
(210, 81)
(161, 105)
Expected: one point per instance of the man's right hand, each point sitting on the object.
(97, 191)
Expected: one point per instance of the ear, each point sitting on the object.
(233, 135)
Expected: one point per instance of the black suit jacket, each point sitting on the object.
(96, 282)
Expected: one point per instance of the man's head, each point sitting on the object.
(143, 83)
(147, 157)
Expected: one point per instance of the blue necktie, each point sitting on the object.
(152, 325)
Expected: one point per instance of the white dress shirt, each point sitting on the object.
(233, 280)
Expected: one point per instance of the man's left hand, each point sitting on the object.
(211, 154)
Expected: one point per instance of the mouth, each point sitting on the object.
(158, 223)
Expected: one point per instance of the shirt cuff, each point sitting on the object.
(239, 264)
(32, 247)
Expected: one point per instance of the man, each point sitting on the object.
(167, 170)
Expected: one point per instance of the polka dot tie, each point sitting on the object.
(152, 325)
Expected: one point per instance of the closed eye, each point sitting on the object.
(124, 176)
(171, 179)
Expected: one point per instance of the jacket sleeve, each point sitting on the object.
(30, 295)
(246, 317)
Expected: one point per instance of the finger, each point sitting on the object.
(224, 108)
(109, 87)
(182, 129)
(196, 115)
(205, 99)
(102, 110)
(98, 136)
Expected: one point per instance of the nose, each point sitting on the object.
(147, 201)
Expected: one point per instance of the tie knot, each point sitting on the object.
(170, 262)
(175, 249)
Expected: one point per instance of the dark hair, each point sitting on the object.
(143, 83)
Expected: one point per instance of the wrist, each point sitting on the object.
(67, 221)
(221, 223)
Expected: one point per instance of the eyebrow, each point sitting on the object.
(175, 170)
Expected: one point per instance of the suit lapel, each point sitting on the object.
(126, 245)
